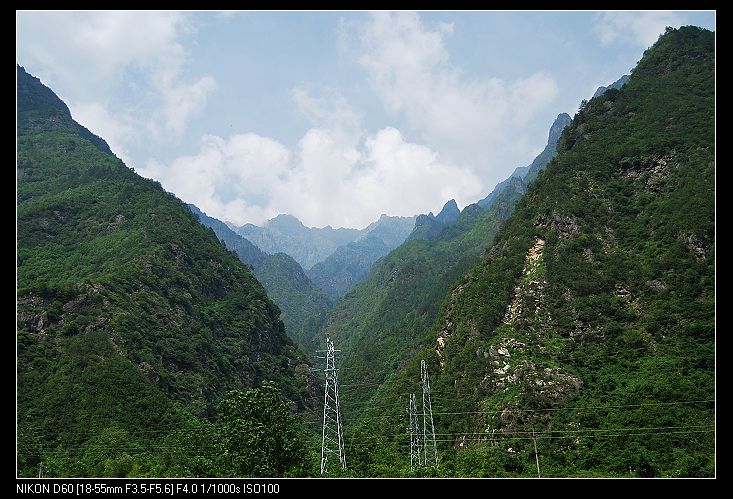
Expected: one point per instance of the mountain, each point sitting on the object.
(449, 214)
(132, 318)
(304, 306)
(382, 320)
(379, 323)
(246, 251)
(615, 85)
(529, 173)
(584, 340)
(350, 264)
(391, 230)
(428, 226)
(287, 234)
(42, 110)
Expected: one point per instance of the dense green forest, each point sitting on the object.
(589, 326)
(303, 305)
(132, 318)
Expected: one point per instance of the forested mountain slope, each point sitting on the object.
(590, 324)
(130, 314)
(304, 305)
(382, 321)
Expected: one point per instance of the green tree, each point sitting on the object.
(258, 436)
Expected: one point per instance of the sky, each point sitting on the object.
(334, 117)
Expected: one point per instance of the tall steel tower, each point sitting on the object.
(416, 454)
(333, 437)
(430, 448)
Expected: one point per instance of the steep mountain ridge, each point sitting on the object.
(429, 226)
(529, 173)
(130, 314)
(303, 305)
(615, 85)
(589, 326)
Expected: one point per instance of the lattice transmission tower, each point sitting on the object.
(430, 448)
(332, 446)
(416, 454)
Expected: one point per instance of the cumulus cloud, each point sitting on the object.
(181, 101)
(326, 108)
(330, 177)
(89, 56)
(117, 131)
(459, 135)
(468, 120)
(228, 178)
(341, 174)
(633, 28)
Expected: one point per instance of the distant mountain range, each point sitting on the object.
(305, 298)
(287, 234)
(335, 259)
(350, 264)
(303, 305)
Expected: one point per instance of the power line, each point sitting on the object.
(585, 356)
(580, 408)
(513, 435)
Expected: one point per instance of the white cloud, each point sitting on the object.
(330, 177)
(117, 131)
(226, 175)
(470, 121)
(95, 59)
(181, 101)
(329, 110)
(633, 28)
(341, 174)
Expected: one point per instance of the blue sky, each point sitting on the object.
(334, 117)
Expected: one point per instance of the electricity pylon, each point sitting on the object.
(416, 455)
(333, 437)
(430, 449)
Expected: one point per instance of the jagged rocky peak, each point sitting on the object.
(34, 95)
(529, 172)
(562, 120)
(449, 213)
(615, 85)
(284, 222)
